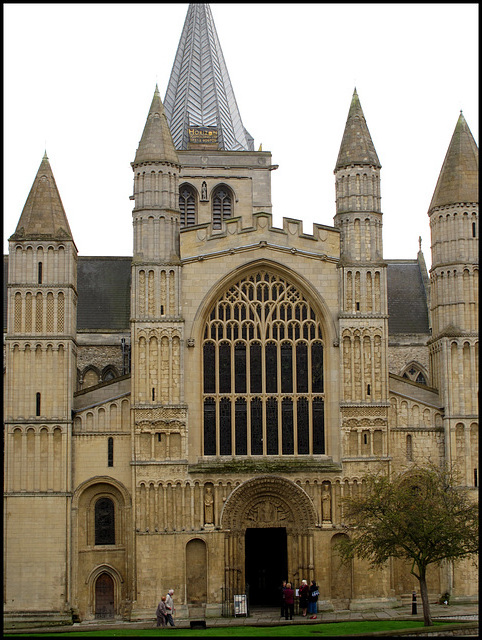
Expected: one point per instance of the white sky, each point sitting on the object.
(79, 80)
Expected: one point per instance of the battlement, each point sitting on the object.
(202, 240)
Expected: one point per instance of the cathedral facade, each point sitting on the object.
(191, 417)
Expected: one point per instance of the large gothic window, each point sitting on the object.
(187, 205)
(263, 376)
(222, 206)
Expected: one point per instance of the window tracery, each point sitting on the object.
(263, 379)
(415, 373)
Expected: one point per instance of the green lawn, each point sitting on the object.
(349, 628)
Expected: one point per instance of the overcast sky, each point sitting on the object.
(79, 80)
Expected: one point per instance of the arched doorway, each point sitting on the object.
(104, 597)
(266, 564)
(269, 523)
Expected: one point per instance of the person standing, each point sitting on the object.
(304, 594)
(289, 601)
(161, 612)
(282, 598)
(313, 599)
(170, 607)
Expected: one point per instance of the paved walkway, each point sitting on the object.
(261, 616)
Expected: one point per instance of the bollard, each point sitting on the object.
(414, 604)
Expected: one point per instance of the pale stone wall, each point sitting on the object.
(35, 529)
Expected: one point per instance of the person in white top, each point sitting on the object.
(170, 607)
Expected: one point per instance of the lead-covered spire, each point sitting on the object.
(199, 93)
(43, 215)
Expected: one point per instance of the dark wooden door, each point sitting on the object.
(104, 597)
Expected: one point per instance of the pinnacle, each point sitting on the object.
(357, 145)
(156, 143)
(458, 180)
(43, 214)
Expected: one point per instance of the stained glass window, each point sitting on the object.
(263, 371)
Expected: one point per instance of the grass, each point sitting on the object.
(329, 629)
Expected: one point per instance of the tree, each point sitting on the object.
(421, 515)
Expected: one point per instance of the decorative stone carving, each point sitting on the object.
(326, 504)
(208, 506)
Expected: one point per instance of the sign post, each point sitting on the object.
(240, 605)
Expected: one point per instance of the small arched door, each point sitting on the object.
(104, 597)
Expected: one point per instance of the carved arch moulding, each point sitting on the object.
(268, 501)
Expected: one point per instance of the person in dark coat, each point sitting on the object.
(282, 598)
(304, 595)
(313, 599)
(289, 601)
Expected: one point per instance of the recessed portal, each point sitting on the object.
(266, 564)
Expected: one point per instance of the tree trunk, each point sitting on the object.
(427, 618)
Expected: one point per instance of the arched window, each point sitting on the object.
(109, 373)
(222, 206)
(263, 378)
(415, 373)
(104, 521)
(187, 205)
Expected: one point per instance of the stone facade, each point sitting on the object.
(256, 380)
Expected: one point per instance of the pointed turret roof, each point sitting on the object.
(156, 142)
(199, 92)
(459, 177)
(43, 215)
(356, 146)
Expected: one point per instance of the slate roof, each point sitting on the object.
(103, 285)
(407, 301)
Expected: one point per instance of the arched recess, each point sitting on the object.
(91, 557)
(104, 585)
(341, 576)
(268, 502)
(196, 571)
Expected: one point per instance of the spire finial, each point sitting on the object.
(420, 243)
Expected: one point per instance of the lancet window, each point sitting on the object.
(187, 205)
(263, 378)
(222, 206)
